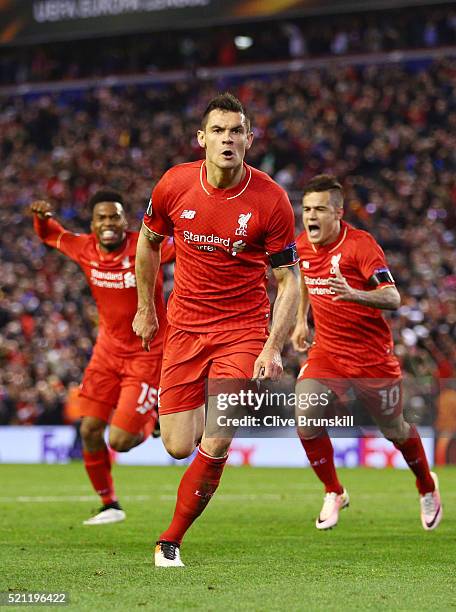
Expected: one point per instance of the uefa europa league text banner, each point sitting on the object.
(23, 21)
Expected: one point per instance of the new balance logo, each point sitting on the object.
(188, 214)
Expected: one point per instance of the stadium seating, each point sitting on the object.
(387, 132)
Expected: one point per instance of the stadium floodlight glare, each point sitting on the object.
(243, 42)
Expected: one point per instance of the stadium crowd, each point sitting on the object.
(388, 132)
(313, 36)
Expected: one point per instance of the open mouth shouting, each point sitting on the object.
(228, 154)
(110, 236)
(313, 229)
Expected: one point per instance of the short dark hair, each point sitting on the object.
(323, 182)
(106, 195)
(225, 102)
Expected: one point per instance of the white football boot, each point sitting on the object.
(167, 554)
(431, 507)
(332, 504)
(111, 513)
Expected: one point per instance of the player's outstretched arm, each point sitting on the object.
(300, 335)
(46, 227)
(384, 298)
(269, 361)
(145, 323)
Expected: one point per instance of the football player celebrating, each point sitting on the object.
(346, 281)
(228, 220)
(120, 384)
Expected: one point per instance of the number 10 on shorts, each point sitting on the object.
(390, 399)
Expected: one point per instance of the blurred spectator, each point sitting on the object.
(297, 46)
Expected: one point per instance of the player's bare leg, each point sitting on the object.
(406, 439)
(92, 431)
(122, 441)
(181, 433)
(320, 452)
(98, 466)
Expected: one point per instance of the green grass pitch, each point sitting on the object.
(255, 547)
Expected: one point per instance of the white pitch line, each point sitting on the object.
(25, 499)
(234, 497)
(64, 498)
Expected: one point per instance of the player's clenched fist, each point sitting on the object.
(268, 365)
(145, 325)
(41, 208)
(300, 337)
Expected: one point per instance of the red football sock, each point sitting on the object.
(98, 467)
(196, 488)
(413, 452)
(320, 454)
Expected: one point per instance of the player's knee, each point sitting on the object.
(180, 452)
(179, 449)
(122, 442)
(306, 421)
(92, 432)
(180, 438)
(308, 433)
(397, 432)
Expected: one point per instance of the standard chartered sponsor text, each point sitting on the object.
(112, 280)
(206, 238)
(115, 276)
(314, 286)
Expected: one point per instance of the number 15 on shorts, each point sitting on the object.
(147, 399)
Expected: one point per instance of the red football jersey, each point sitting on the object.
(355, 333)
(222, 238)
(112, 281)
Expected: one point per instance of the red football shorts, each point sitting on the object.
(378, 386)
(123, 390)
(189, 358)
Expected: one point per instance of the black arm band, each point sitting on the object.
(381, 276)
(287, 257)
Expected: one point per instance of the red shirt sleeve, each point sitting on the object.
(371, 258)
(281, 227)
(168, 252)
(55, 235)
(156, 218)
